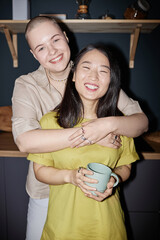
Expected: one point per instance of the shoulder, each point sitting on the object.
(128, 144)
(127, 105)
(30, 82)
(31, 78)
(49, 121)
(126, 139)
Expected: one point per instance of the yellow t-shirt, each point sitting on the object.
(72, 215)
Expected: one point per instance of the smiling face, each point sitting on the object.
(49, 46)
(92, 76)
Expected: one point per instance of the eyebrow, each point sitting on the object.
(50, 39)
(100, 65)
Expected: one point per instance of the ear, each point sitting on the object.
(66, 36)
(33, 54)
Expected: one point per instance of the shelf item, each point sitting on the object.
(134, 27)
(20, 9)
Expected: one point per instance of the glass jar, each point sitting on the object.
(137, 10)
(83, 11)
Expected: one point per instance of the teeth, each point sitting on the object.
(56, 59)
(91, 86)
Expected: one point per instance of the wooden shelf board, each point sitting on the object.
(150, 155)
(91, 25)
(110, 26)
(12, 154)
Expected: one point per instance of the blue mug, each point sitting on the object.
(102, 173)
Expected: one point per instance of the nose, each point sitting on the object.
(93, 75)
(51, 49)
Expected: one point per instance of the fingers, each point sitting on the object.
(77, 134)
(116, 141)
(80, 139)
(83, 172)
(86, 139)
(83, 137)
(86, 123)
(100, 196)
(81, 179)
(111, 183)
(87, 189)
(81, 143)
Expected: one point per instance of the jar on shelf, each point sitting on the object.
(106, 15)
(83, 11)
(137, 10)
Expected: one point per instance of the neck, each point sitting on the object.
(59, 76)
(90, 109)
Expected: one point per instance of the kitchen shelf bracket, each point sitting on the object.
(12, 44)
(133, 44)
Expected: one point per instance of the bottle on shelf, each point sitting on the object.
(137, 10)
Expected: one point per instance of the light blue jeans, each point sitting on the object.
(36, 217)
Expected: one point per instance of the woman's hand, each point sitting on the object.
(95, 131)
(101, 196)
(111, 140)
(78, 179)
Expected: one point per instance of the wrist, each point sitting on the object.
(68, 176)
(112, 124)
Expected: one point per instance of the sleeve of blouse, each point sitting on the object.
(24, 116)
(43, 158)
(129, 154)
(48, 121)
(127, 105)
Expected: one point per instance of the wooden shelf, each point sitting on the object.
(134, 27)
(90, 25)
(7, 146)
(9, 149)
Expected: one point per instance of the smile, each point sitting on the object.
(55, 60)
(91, 86)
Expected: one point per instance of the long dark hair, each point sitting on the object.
(70, 111)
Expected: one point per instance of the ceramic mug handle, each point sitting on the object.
(116, 177)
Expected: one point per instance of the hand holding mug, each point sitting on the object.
(102, 173)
